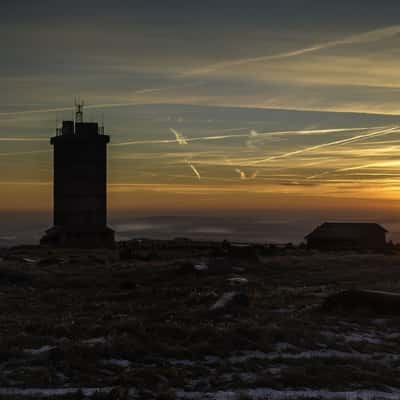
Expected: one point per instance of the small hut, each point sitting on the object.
(347, 236)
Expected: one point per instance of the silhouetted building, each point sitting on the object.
(80, 186)
(347, 236)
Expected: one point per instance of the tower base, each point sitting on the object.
(72, 237)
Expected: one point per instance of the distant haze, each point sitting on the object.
(262, 227)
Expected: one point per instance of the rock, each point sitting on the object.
(229, 301)
(369, 301)
(40, 350)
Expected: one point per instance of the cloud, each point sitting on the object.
(334, 143)
(366, 37)
(382, 164)
(140, 101)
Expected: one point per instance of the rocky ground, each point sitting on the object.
(194, 324)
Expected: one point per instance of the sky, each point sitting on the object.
(259, 108)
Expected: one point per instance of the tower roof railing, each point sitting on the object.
(69, 127)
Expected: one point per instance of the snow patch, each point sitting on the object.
(263, 393)
(362, 337)
(52, 391)
(201, 267)
(117, 362)
(40, 350)
(30, 260)
(238, 280)
(248, 355)
(93, 341)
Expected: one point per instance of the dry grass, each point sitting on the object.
(154, 313)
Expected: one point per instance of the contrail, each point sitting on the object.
(25, 183)
(219, 137)
(358, 167)
(194, 169)
(377, 164)
(252, 134)
(323, 145)
(17, 153)
(103, 105)
(318, 175)
(183, 140)
(179, 137)
(366, 37)
(241, 173)
(162, 141)
(9, 139)
(316, 131)
(60, 109)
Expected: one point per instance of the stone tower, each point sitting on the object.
(80, 186)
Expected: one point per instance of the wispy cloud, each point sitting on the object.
(365, 37)
(380, 164)
(133, 102)
(61, 109)
(323, 145)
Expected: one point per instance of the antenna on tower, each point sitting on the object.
(102, 123)
(56, 123)
(79, 110)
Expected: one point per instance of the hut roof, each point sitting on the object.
(345, 230)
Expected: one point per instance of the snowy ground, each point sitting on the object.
(79, 325)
